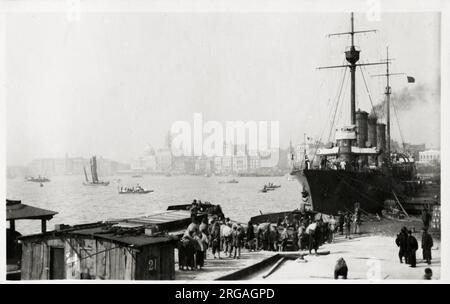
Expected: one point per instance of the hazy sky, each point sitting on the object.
(111, 83)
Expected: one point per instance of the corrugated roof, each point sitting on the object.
(134, 239)
(15, 210)
(106, 232)
(161, 217)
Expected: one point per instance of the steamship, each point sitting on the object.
(358, 169)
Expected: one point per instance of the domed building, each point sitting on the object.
(147, 162)
(149, 150)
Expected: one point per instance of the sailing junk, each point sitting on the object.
(358, 169)
(95, 181)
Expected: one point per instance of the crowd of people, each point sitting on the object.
(300, 231)
(408, 246)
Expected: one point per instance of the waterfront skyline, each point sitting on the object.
(108, 84)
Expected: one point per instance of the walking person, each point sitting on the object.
(412, 247)
(319, 233)
(426, 218)
(312, 241)
(250, 236)
(215, 239)
(427, 244)
(235, 246)
(357, 221)
(332, 228)
(204, 227)
(225, 233)
(284, 239)
(201, 247)
(348, 225)
(194, 211)
(273, 238)
(401, 242)
(189, 244)
(341, 222)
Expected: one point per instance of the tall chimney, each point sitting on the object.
(372, 136)
(361, 128)
(381, 141)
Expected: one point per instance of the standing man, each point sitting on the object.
(348, 225)
(215, 239)
(312, 240)
(401, 241)
(427, 244)
(194, 211)
(250, 236)
(332, 228)
(341, 221)
(426, 217)
(357, 219)
(412, 247)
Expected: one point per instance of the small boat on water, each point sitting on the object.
(39, 179)
(231, 181)
(272, 186)
(95, 181)
(266, 189)
(134, 190)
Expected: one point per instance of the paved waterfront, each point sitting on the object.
(372, 257)
(215, 268)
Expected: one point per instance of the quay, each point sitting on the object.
(146, 248)
(229, 269)
(368, 257)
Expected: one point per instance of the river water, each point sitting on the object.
(77, 204)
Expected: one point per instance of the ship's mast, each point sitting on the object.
(388, 107)
(387, 92)
(352, 56)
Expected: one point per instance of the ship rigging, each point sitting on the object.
(357, 169)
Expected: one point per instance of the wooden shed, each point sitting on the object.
(98, 251)
(15, 211)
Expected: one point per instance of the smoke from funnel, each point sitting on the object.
(409, 99)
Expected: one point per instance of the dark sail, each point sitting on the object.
(94, 170)
(85, 174)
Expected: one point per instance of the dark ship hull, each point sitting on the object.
(330, 191)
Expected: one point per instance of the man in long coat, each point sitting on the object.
(401, 242)
(427, 244)
(412, 247)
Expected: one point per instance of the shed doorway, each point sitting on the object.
(57, 264)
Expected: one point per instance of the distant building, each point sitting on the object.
(414, 150)
(218, 169)
(72, 166)
(240, 164)
(147, 162)
(430, 157)
(254, 163)
(204, 165)
(164, 160)
(227, 165)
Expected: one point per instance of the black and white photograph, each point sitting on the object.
(197, 142)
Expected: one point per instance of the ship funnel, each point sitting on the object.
(361, 128)
(381, 140)
(372, 136)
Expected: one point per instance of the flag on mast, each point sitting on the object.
(410, 79)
